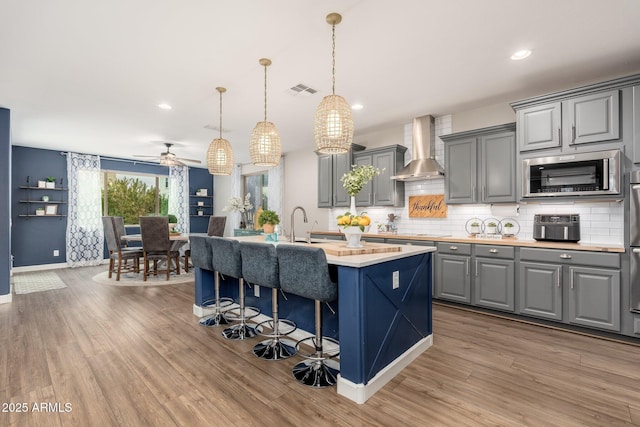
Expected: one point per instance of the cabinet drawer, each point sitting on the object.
(593, 259)
(409, 242)
(507, 252)
(454, 248)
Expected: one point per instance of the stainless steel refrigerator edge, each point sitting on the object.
(634, 239)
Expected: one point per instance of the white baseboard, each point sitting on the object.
(40, 267)
(5, 299)
(359, 393)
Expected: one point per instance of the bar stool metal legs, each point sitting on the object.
(276, 348)
(319, 370)
(242, 330)
(217, 318)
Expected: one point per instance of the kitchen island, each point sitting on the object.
(384, 313)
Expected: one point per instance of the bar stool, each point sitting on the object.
(201, 258)
(227, 260)
(304, 272)
(260, 267)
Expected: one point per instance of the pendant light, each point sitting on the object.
(264, 147)
(333, 127)
(220, 154)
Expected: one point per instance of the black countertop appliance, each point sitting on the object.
(556, 227)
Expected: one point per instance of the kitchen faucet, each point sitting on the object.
(304, 218)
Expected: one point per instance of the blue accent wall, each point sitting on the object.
(5, 198)
(33, 239)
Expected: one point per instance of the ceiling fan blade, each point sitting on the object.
(188, 160)
(146, 157)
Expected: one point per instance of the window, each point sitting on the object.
(132, 195)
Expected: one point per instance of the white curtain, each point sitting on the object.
(276, 188)
(236, 191)
(179, 196)
(85, 236)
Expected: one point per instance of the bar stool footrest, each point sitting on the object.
(275, 349)
(326, 353)
(249, 313)
(289, 327)
(241, 331)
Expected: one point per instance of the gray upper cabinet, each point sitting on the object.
(480, 165)
(331, 167)
(382, 190)
(561, 124)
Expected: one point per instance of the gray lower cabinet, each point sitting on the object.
(494, 283)
(453, 272)
(594, 298)
(481, 165)
(540, 290)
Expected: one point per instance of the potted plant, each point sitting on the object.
(200, 211)
(268, 220)
(39, 211)
(474, 228)
(507, 229)
(173, 221)
(491, 227)
(236, 204)
(51, 182)
(355, 179)
(45, 198)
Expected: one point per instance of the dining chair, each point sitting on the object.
(156, 244)
(215, 228)
(118, 223)
(117, 253)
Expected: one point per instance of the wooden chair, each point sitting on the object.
(156, 244)
(117, 253)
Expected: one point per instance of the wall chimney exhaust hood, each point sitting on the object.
(423, 164)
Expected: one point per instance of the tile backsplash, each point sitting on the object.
(600, 222)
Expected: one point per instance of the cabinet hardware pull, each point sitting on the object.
(636, 250)
(476, 268)
(565, 256)
(467, 263)
(573, 134)
(560, 136)
(558, 276)
(453, 248)
(493, 251)
(473, 192)
(571, 273)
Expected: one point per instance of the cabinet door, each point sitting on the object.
(636, 124)
(384, 188)
(460, 165)
(540, 290)
(363, 198)
(594, 297)
(325, 181)
(341, 165)
(498, 168)
(494, 284)
(540, 127)
(453, 281)
(593, 118)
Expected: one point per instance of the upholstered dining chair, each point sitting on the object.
(156, 244)
(118, 223)
(117, 253)
(215, 228)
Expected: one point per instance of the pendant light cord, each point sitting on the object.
(220, 115)
(265, 93)
(333, 58)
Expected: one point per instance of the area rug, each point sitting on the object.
(36, 281)
(136, 279)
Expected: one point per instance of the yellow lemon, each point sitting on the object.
(364, 220)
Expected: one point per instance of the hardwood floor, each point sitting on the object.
(137, 357)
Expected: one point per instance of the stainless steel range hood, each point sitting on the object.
(423, 164)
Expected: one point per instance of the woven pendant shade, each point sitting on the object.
(265, 148)
(220, 157)
(333, 127)
(220, 153)
(333, 124)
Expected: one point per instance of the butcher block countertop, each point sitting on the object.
(594, 247)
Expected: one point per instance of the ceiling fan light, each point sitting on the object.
(265, 147)
(220, 157)
(333, 126)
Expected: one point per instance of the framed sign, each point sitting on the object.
(51, 209)
(429, 206)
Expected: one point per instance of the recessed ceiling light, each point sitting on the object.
(357, 107)
(164, 106)
(521, 54)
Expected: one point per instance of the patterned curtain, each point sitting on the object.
(276, 188)
(179, 196)
(236, 191)
(85, 236)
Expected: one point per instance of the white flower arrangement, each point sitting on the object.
(358, 177)
(237, 205)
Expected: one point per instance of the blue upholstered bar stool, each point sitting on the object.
(304, 272)
(260, 267)
(202, 258)
(227, 260)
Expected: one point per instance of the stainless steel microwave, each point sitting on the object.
(580, 174)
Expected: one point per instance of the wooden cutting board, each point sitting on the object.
(341, 249)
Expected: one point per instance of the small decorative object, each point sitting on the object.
(475, 228)
(51, 182)
(507, 229)
(427, 206)
(201, 192)
(268, 220)
(355, 179)
(45, 198)
(200, 203)
(51, 210)
(236, 204)
(352, 226)
(173, 221)
(200, 212)
(40, 211)
(42, 184)
(491, 228)
(510, 227)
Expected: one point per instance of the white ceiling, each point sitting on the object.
(87, 76)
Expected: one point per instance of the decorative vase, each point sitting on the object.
(50, 184)
(353, 236)
(352, 208)
(243, 220)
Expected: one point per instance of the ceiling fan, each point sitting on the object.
(168, 158)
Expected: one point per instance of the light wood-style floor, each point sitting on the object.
(137, 357)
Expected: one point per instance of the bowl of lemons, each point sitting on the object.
(353, 226)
